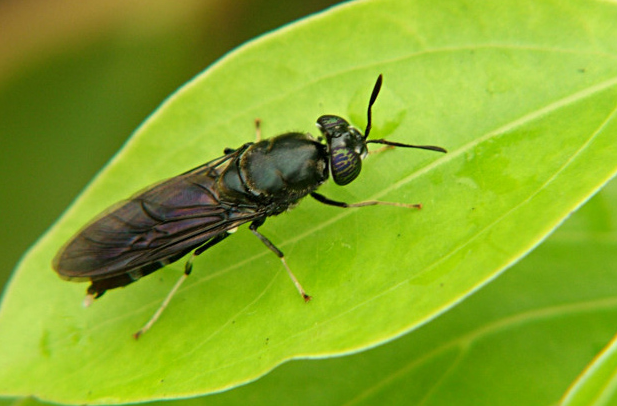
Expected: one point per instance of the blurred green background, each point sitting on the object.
(77, 77)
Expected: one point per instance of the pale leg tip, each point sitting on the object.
(88, 300)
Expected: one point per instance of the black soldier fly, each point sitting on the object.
(200, 208)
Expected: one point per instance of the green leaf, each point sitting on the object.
(522, 94)
(525, 336)
(597, 385)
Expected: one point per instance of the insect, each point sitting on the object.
(200, 208)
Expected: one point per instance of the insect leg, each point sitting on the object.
(323, 199)
(257, 130)
(187, 271)
(253, 227)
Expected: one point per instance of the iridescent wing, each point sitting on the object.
(153, 228)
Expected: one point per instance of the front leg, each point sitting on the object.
(323, 199)
(253, 227)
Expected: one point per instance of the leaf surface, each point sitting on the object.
(522, 94)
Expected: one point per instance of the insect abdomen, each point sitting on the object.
(99, 286)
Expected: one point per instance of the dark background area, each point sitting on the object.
(76, 78)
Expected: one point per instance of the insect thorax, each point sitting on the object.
(282, 169)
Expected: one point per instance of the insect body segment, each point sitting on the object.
(196, 210)
(150, 230)
(283, 169)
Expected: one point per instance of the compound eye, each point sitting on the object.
(332, 126)
(345, 165)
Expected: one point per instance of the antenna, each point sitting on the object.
(398, 144)
(376, 90)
